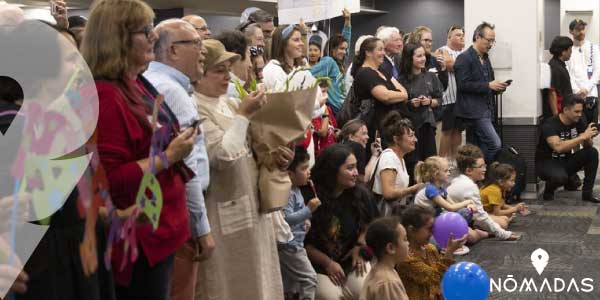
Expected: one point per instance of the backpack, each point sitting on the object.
(355, 108)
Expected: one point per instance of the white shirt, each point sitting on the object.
(450, 93)
(390, 161)
(584, 57)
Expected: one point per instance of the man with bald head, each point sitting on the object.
(179, 63)
(199, 24)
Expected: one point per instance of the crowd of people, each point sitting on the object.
(364, 194)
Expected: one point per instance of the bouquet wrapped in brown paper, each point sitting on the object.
(284, 119)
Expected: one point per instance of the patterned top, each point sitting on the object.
(422, 275)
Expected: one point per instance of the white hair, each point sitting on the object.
(359, 42)
(386, 33)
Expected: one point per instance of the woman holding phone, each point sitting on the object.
(424, 93)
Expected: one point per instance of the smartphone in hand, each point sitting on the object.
(508, 82)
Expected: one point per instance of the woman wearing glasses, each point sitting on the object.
(245, 264)
(118, 46)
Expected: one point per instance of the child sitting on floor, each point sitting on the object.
(423, 269)
(472, 168)
(434, 172)
(501, 179)
(386, 239)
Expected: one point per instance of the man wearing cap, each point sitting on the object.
(584, 68)
(246, 265)
(178, 63)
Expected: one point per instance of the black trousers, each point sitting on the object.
(590, 110)
(424, 148)
(556, 172)
(148, 283)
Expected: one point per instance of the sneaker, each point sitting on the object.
(464, 250)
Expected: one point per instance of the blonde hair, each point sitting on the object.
(106, 44)
(415, 36)
(428, 170)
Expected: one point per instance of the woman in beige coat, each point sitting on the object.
(245, 264)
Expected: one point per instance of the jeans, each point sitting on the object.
(482, 133)
(556, 172)
(297, 272)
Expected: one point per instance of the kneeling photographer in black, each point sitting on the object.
(565, 147)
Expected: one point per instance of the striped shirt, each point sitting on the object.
(450, 93)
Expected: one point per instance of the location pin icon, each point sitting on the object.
(539, 260)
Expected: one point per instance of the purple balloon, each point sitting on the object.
(446, 223)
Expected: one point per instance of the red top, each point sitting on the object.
(121, 143)
(323, 142)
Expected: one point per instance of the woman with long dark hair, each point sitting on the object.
(339, 225)
(424, 91)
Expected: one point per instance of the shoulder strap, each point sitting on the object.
(372, 179)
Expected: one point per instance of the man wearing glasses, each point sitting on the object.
(179, 63)
(476, 86)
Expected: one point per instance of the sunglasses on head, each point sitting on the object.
(455, 27)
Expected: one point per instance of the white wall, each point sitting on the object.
(519, 25)
(577, 7)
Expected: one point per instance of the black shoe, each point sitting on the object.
(593, 199)
(548, 196)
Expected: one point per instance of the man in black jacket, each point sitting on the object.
(476, 86)
(392, 44)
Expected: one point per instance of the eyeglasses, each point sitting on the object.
(256, 51)
(483, 167)
(491, 41)
(195, 42)
(146, 30)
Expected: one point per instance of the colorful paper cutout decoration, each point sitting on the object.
(128, 235)
(149, 199)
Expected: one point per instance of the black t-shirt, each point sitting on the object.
(337, 223)
(554, 127)
(365, 80)
(560, 81)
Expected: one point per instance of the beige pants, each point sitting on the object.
(326, 290)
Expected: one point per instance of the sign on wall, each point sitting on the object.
(290, 11)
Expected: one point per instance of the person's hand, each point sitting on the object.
(376, 147)
(283, 157)
(497, 86)
(454, 245)
(471, 206)
(8, 274)
(181, 146)
(417, 187)
(88, 253)
(582, 94)
(60, 15)
(252, 103)
(313, 204)
(591, 131)
(206, 247)
(425, 101)
(303, 27)
(335, 273)
(346, 14)
(358, 262)
(416, 102)
(439, 56)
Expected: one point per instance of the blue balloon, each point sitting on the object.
(465, 281)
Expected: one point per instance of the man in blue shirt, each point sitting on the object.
(179, 63)
(476, 86)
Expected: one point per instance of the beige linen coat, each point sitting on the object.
(245, 263)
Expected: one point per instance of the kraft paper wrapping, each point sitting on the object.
(281, 121)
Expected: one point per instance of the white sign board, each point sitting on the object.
(291, 11)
